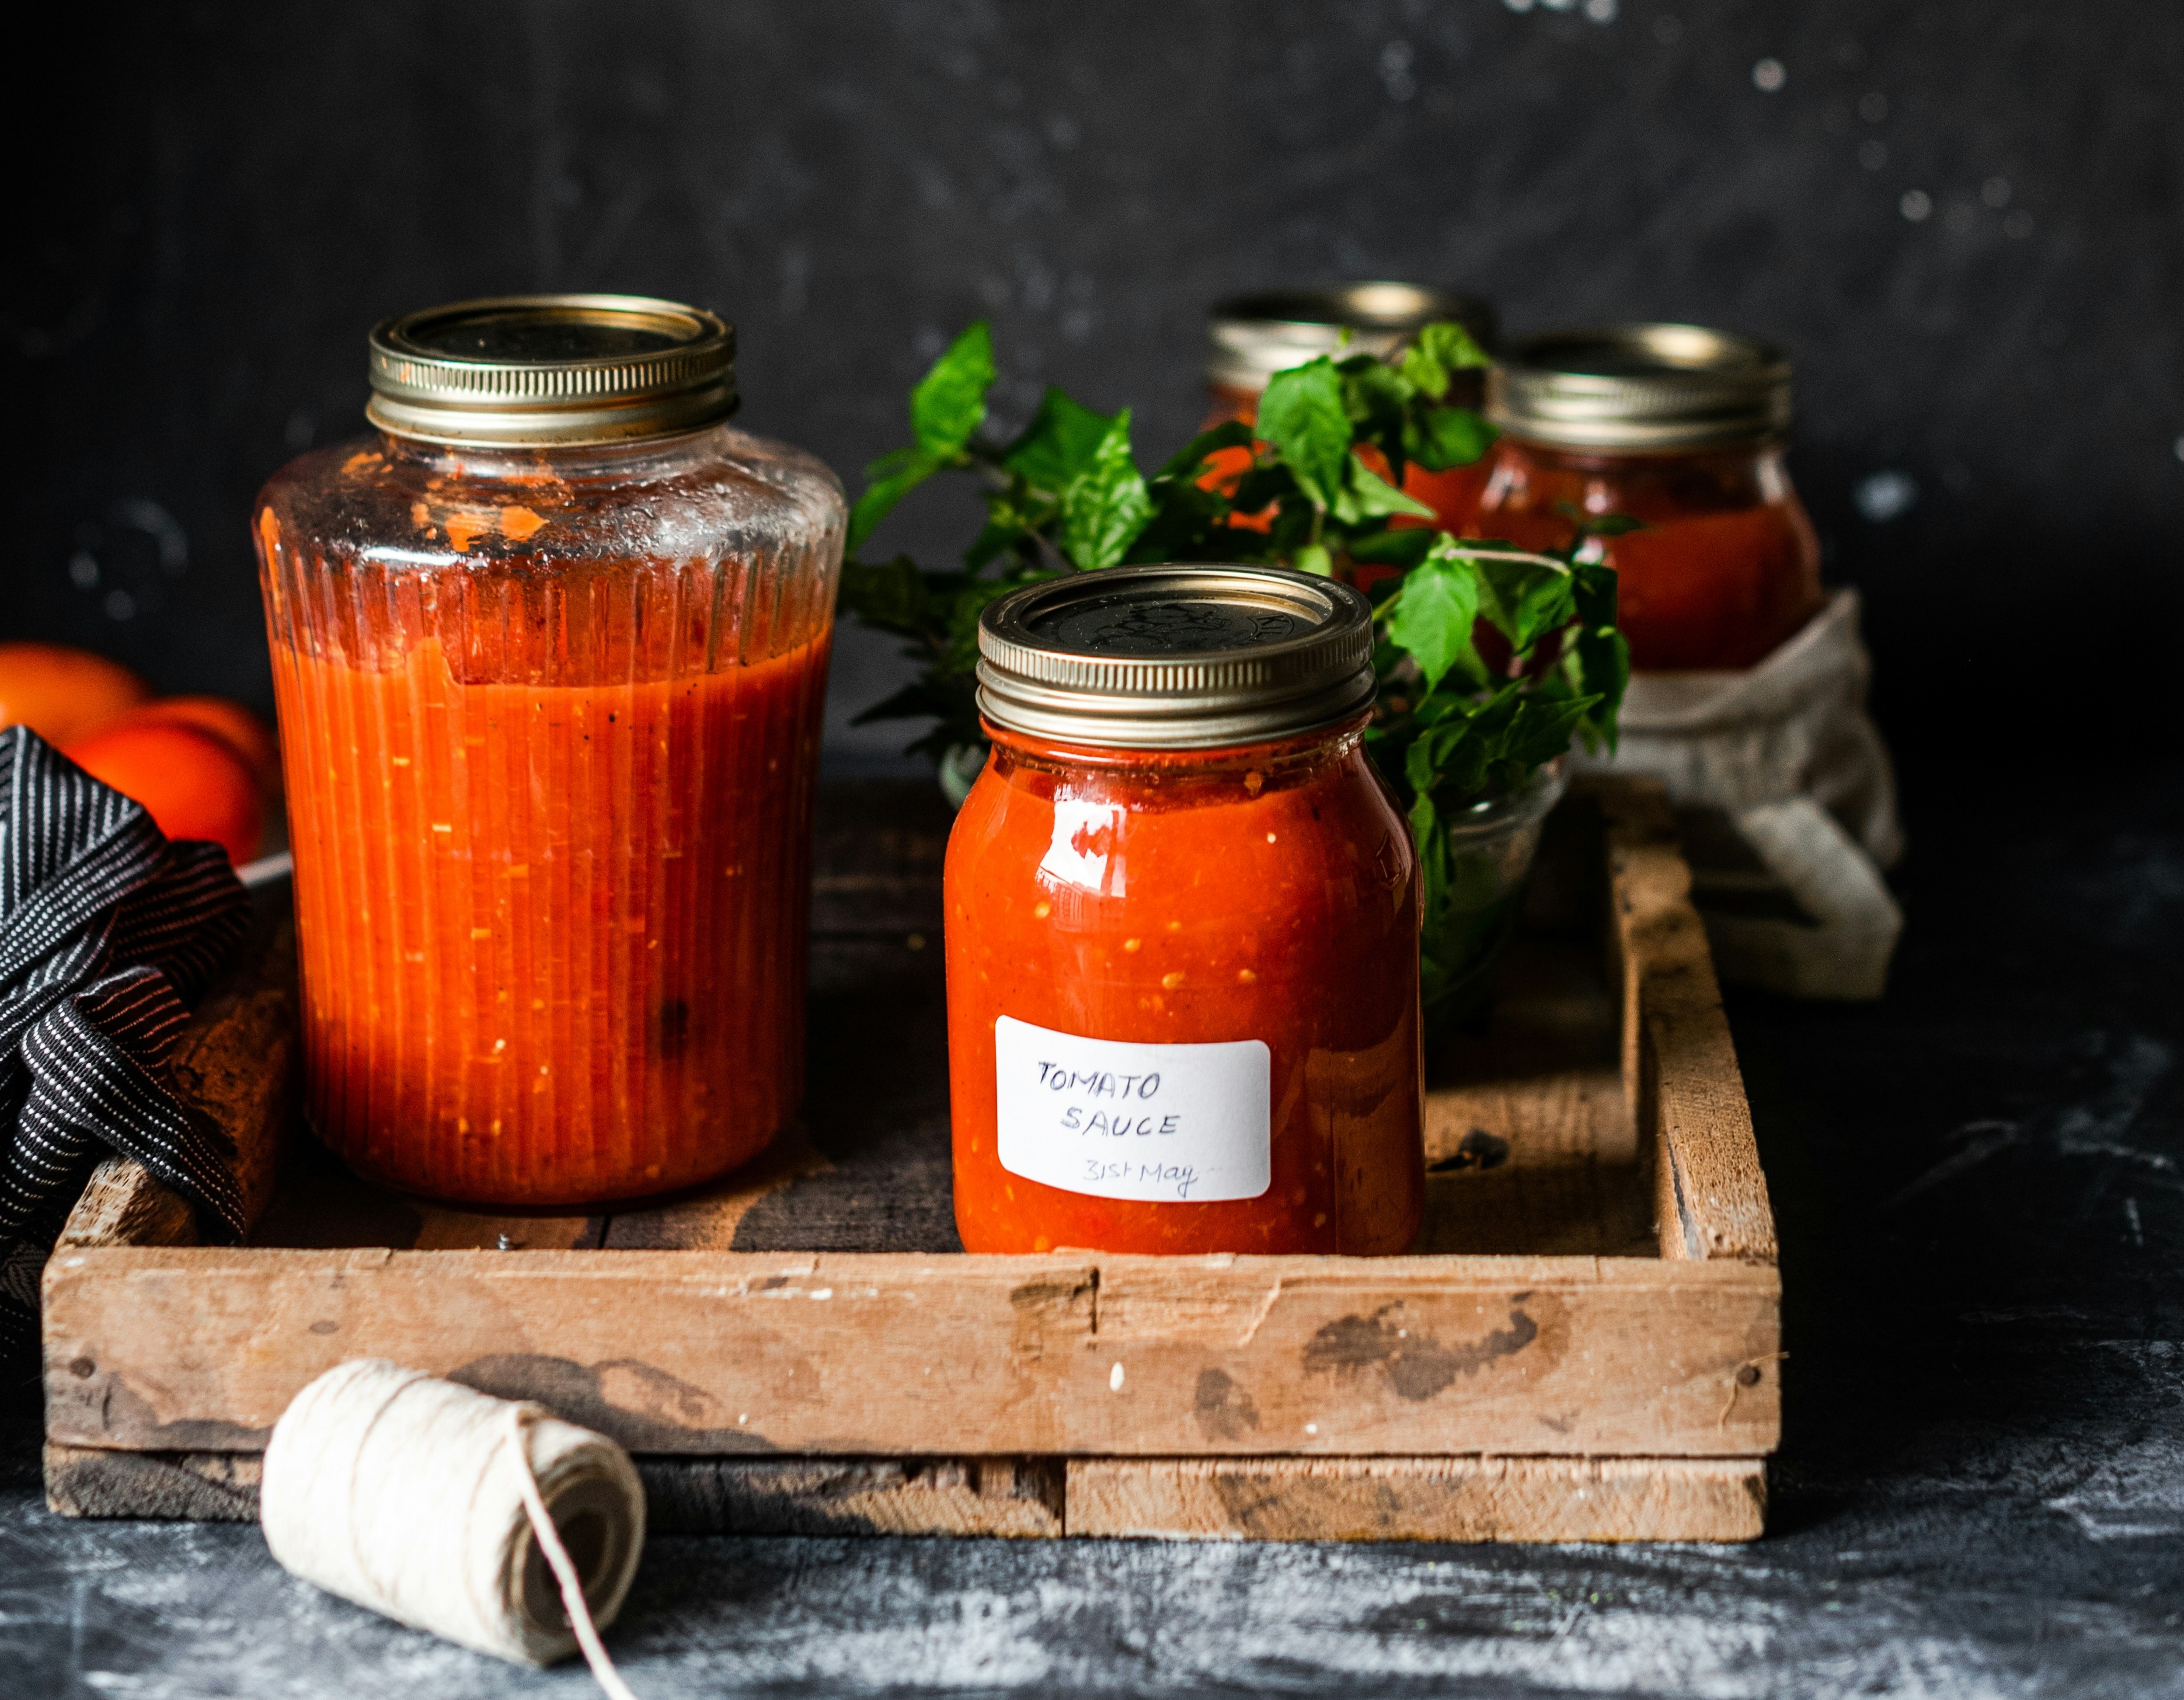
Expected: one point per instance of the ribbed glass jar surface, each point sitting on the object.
(550, 721)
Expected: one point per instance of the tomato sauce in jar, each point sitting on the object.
(1253, 337)
(550, 714)
(1681, 429)
(1182, 927)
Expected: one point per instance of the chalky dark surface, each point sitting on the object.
(1980, 1188)
(1979, 1182)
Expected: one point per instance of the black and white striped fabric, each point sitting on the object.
(107, 933)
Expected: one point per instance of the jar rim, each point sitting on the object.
(565, 370)
(1195, 656)
(1253, 337)
(1642, 387)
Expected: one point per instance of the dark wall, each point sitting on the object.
(1964, 217)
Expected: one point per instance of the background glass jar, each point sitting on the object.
(1680, 428)
(1253, 337)
(1183, 927)
(549, 654)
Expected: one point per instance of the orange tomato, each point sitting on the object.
(231, 722)
(195, 785)
(61, 694)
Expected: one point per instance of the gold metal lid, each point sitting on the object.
(1256, 336)
(519, 369)
(1641, 387)
(1190, 657)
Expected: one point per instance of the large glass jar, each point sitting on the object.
(1183, 927)
(1681, 429)
(1253, 337)
(549, 653)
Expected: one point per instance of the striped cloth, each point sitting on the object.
(107, 933)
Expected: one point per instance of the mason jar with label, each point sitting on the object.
(549, 650)
(1183, 927)
(1254, 336)
(1682, 429)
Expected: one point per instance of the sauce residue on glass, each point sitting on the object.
(552, 858)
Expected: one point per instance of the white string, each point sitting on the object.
(394, 1489)
(564, 1567)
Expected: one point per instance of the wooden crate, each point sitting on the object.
(1586, 1345)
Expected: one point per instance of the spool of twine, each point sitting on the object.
(493, 1523)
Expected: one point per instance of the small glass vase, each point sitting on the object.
(1490, 850)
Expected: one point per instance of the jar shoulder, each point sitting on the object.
(1344, 813)
(1653, 487)
(720, 492)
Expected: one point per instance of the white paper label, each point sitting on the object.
(1167, 1123)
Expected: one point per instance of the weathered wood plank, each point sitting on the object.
(122, 1205)
(707, 1219)
(236, 1068)
(1516, 1499)
(1018, 1498)
(1685, 1090)
(1521, 1499)
(188, 1487)
(879, 1355)
(1015, 1498)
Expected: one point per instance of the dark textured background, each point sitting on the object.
(240, 190)
(1980, 1181)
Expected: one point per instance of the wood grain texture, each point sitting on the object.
(239, 1063)
(122, 1205)
(235, 1069)
(192, 1487)
(1520, 1499)
(1015, 1498)
(883, 1354)
(1680, 1067)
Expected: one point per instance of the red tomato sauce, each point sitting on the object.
(552, 935)
(1266, 893)
(1727, 568)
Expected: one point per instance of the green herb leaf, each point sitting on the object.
(1433, 615)
(1188, 523)
(889, 594)
(1106, 504)
(1446, 437)
(1453, 347)
(1599, 663)
(1314, 558)
(1374, 390)
(911, 467)
(1365, 495)
(1404, 548)
(1541, 729)
(1433, 852)
(1301, 415)
(1524, 599)
(950, 402)
(1059, 443)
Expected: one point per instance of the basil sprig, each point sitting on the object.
(1323, 482)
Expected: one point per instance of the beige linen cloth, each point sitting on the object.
(1786, 755)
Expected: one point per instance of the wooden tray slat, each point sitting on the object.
(1585, 1348)
(893, 1354)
